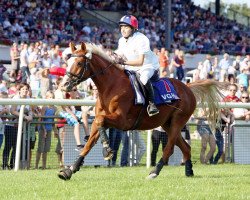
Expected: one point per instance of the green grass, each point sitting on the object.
(223, 181)
(228, 181)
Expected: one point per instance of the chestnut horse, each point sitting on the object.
(115, 105)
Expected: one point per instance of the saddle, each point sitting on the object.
(163, 89)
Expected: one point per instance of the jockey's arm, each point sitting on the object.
(137, 62)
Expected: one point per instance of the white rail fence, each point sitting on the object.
(64, 102)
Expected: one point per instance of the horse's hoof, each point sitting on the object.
(188, 168)
(190, 173)
(152, 176)
(107, 153)
(65, 174)
(109, 156)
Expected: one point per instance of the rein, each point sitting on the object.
(84, 68)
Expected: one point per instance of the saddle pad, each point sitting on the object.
(139, 98)
(164, 91)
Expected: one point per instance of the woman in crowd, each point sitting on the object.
(207, 137)
(15, 60)
(242, 113)
(45, 131)
(11, 129)
(4, 110)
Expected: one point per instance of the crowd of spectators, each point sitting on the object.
(235, 71)
(30, 64)
(55, 22)
(193, 28)
(40, 67)
(29, 61)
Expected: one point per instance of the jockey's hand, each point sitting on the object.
(68, 56)
(119, 59)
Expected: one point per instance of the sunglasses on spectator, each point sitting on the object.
(245, 97)
(232, 90)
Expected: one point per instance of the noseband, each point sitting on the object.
(75, 79)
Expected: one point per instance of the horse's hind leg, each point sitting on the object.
(106, 151)
(168, 150)
(186, 151)
(174, 137)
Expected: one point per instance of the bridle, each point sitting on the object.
(75, 79)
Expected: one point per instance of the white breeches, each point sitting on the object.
(146, 74)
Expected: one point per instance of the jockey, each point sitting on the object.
(134, 51)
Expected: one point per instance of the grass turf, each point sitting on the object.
(224, 181)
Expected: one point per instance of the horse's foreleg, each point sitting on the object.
(66, 173)
(94, 136)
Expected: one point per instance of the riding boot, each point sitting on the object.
(152, 110)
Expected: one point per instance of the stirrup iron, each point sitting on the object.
(152, 110)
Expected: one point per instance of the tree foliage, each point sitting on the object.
(240, 8)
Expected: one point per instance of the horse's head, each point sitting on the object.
(78, 61)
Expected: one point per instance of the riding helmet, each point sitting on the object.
(129, 20)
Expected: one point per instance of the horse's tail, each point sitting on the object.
(208, 94)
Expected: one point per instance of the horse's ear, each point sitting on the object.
(83, 46)
(72, 46)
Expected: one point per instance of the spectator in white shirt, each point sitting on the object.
(56, 60)
(24, 63)
(46, 60)
(224, 64)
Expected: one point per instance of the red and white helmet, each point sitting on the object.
(129, 20)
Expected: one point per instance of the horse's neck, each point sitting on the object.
(110, 75)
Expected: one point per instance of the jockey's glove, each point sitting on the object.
(119, 59)
(68, 56)
(122, 62)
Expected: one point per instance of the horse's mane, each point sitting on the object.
(99, 50)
